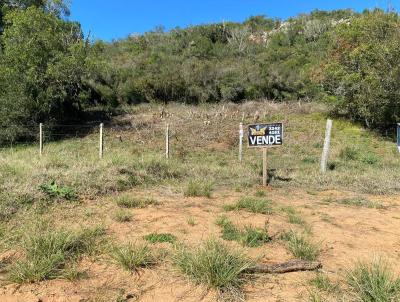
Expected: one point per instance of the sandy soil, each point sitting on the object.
(347, 234)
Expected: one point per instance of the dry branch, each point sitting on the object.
(286, 267)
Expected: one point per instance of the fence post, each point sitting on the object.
(265, 168)
(101, 141)
(241, 134)
(41, 139)
(167, 142)
(327, 143)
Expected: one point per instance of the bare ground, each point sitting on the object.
(346, 233)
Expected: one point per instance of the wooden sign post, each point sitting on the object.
(241, 134)
(398, 136)
(327, 143)
(265, 136)
(41, 139)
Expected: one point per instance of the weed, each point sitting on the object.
(128, 201)
(53, 190)
(349, 153)
(301, 247)
(160, 238)
(122, 216)
(260, 193)
(372, 282)
(293, 216)
(191, 221)
(254, 205)
(360, 202)
(213, 265)
(198, 188)
(322, 283)
(131, 257)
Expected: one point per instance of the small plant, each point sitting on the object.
(322, 283)
(370, 159)
(349, 153)
(213, 265)
(293, 216)
(53, 190)
(372, 282)
(198, 188)
(301, 247)
(131, 257)
(360, 202)
(160, 238)
(249, 236)
(191, 221)
(260, 193)
(127, 201)
(122, 216)
(254, 205)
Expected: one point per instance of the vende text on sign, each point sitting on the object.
(265, 135)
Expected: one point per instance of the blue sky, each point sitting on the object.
(108, 20)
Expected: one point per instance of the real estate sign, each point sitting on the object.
(265, 135)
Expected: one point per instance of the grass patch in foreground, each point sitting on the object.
(301, 247)
(47, 252)
(213, 265)
(360, 202)
(129, 202)
(374, 282)
(251, 204)
(131, 257)
(160, 238)
(198, 188)
(293, 216)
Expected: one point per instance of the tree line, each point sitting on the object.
(50, 72)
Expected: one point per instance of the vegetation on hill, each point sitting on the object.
(50, 73)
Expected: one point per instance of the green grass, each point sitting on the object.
(251, 204)
(373, 282)
(122, 216)
(323, 283)
(160, 238)
(360, 202)
(53, 190)
(198, 188)
(131, 257)
(47, 252)
(301, 247)
(129, 202)
(293, 216)
(260, 193)
(250, 236)
(213, 264)
(191, 221)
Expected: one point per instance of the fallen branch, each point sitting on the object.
(286, 267)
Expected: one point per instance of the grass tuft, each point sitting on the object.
(198, 188)
(122, 216)
(160, 238)
(129, 202)
(293, 216)
(131, 257)
(301, 247)
(213, 265)
(374, 282)
(251, 204)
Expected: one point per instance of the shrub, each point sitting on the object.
(128, 201)
(213, 265)
(131, 257)
(372, 282)
(349, 153)
(198, 188)
(301, 247)
(254, 205)
(154, 238)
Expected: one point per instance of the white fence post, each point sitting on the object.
(327, 143)
(241, 134)
(101, 145)
(41, 139)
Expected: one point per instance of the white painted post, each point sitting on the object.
(41, 139)
(241, 134)
(167, 142)
(101, 145)
(265, 168)
(327, 143)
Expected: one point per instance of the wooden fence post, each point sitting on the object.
(101, 145)
(41, 139)
(241, 134)
(167, 142)
(327, 143)
(265, 167)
